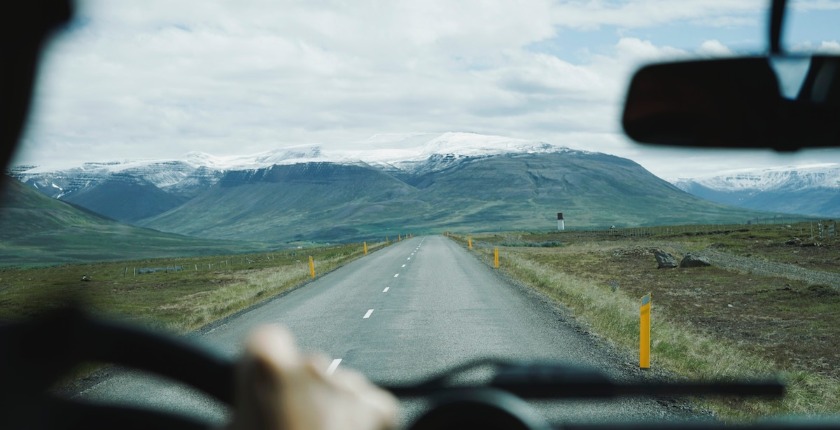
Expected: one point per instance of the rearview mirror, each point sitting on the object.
(734, 103)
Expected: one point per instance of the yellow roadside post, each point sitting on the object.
(399, 238)
(365, 244)
(469, 242)
(496, 258)
(311, 266)
(644, 332)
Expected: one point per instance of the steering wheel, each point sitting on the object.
(37, 353)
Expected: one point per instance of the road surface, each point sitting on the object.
(404, 312)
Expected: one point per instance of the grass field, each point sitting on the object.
(177, 294)
(767, 305)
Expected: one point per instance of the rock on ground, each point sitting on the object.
(664, 259)
(691, 260)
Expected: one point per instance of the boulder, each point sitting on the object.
(691, 260)
(664, 259)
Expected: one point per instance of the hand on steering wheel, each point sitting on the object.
(277, 387)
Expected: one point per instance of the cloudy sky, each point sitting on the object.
(158, 78)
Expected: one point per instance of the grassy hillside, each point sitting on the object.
(35, 229)
(592, 190)
(314, 201)
(324, 201)
(126, 200)
(821, 202)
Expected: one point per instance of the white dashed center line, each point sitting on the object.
(333, 366)
(386, 289)
(409, 258)
(367, 314)
(396, 275)
(403, 265)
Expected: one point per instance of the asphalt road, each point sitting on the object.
(399, 314)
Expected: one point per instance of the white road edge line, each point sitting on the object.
(386, 289)
(333, 366)
(367, 314)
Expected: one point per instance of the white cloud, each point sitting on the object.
(650, 13)
(815, 5)
(714, 48)
(159, 78)
(831, 46)
(822, 47)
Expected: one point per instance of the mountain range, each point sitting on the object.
(807, 190)
(407, 183)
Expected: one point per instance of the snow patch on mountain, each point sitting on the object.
(790, 178)
(402, 151)
(414, 153)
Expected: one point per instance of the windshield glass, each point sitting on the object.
(411, 185)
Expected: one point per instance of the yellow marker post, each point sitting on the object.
(644, 332)
(365, 244)
(496, 258)
(311, 266)
(469, 242)
(399, 238)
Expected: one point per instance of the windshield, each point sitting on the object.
(411, 185)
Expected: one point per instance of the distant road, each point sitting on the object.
(402, 313)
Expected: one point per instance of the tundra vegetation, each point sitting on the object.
(767, 305)
(176, 294)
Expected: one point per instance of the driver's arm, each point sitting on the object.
(279, 388)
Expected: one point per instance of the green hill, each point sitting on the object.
(35, 229)
(327, 201)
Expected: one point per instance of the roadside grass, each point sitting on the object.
(203, 290)
(798, 243)
(708, 323)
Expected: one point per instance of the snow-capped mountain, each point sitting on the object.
(407, 152)
(385, 184)
(403, 151)
(808, 190)
(179, 177)
(400, 151)
(147, 187)
(787, 178)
